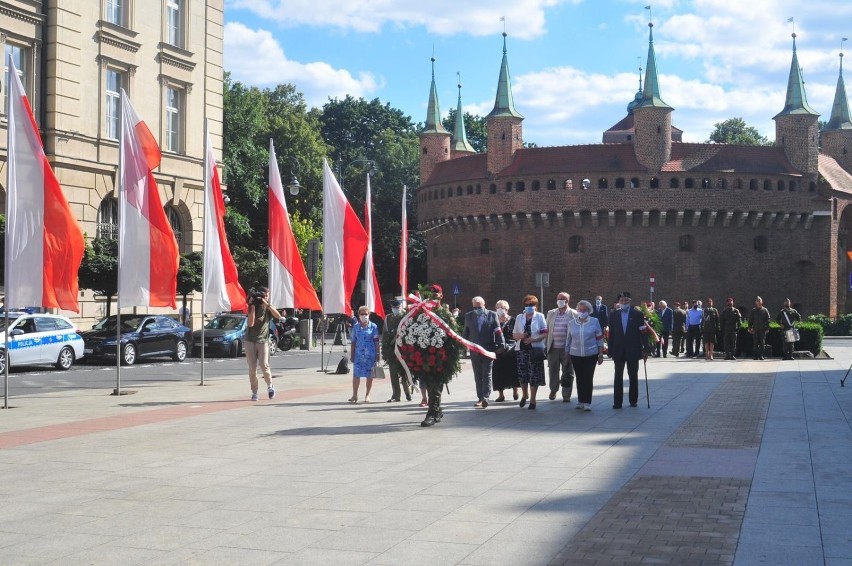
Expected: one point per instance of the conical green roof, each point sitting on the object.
(840, 109)
(504, 105)
(651, 93)
(796, 101)
(433, 111)
(460, 142)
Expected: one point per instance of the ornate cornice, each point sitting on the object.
(26, 17)
(117, 41)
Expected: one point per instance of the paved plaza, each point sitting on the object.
(734, 463)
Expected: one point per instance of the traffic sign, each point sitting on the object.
(456, 290)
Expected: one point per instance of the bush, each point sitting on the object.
(840, 326)
(811, 335)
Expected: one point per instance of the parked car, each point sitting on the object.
(142, 336)
(36, 339)
(224, 335)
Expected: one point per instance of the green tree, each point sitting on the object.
(189, 276)
(99, 269)
(252, 265)
(474, 127)
(736, 131)
(305, 230)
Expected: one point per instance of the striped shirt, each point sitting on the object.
(560, 329)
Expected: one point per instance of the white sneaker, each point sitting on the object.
(587, 407)
(579, 406)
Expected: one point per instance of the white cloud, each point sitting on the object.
(524, 18)
(256, 58)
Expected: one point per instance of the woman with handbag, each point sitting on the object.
(364, 353)
(787, 318)
(530, 333)
(504, 373)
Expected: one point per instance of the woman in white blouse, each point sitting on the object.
(585, 346)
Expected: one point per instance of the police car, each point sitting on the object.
(38, 338)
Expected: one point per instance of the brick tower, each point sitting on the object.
(837, 133)
(652, 118)
(434, 138)
(504, 123)
(796, 128)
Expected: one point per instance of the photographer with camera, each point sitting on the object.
(260, 312)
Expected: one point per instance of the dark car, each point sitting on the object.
(224, 335)
(142, 336)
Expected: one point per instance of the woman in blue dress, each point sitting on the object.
(364, 353)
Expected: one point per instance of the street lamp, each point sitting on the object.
(294, 187)
(341, 173)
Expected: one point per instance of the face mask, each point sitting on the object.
(597, 303)
(583, 315)
(395, 310)
(455, 312)
(529, 310)
(625, 307)
(561, 303)
(364, 317)
(501, 312)
(478, 310)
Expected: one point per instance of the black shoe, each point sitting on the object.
(428, 421)
(532, 406)
(439, 416)
(633, 404)
(523, 402)
(499, 399)
(616, 406)
(761, 358)
(393, 400)
(485, 403)
(408, 396)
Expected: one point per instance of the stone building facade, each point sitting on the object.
(75, 56)
(707, 220)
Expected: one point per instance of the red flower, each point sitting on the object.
(431, 349)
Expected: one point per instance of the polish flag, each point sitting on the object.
(403, 247)
(44, 243)
(222, 290)
(344, 245)
(373, 298)
(147, 250)
(289, 285)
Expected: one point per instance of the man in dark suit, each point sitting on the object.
(667, 318)
(481, 327)
(626, 332)
(600, 312)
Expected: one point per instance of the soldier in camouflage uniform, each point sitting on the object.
(758, 326)
(730, 319)
(394, 365)
(787, 318)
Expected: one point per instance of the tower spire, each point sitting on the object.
(504, 105)
(840, 119)
(433, 110)
(651, 92)
(460, 143)
(796, 101)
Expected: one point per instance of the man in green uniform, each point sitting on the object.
(787, 318)
(679, 329)
(389, 355)
(730, 319)
(758, 326)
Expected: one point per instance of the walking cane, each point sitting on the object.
(843, 381)
(647, 391)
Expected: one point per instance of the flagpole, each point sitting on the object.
(204, 238)
(120, 195)
(403, 246)
(9, 171)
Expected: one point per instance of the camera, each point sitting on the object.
(255, 294)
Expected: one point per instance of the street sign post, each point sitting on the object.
(652, 281)
(542, 280)
(456, 293)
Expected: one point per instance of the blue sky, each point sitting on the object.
(574, 63)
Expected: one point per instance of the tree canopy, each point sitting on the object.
(736, 131)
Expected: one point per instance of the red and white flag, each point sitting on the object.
(222, 289)
(373, 297)
(147, 250)
(289, 285)
(344, 245)
(44, 243)
(403, 248)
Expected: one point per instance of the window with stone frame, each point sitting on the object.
(107, 226)
(686, 243)
(576, 245)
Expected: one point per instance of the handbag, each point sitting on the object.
(791, 334)
(378, 372)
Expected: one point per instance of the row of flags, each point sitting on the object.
(45, 245)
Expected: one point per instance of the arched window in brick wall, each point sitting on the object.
(478, 189)
(689, 183)
(752, 185)
(738, 184)
(705, 183)
(484, 246)
(551, 184)
(442, 192)
(674, 183)
(761, 244)
(458, 191)
(576, 245)
(767, 185)
(603, 183)
(781, 185)
(654, 183)
(470, 189)
(634, 183)
(569, 184)
(721, 184)
(520, 186)
(449, 192)
(536, 185)
(686, 243)
(430, 195)
(492, 188)
(619, 182)
(509, 186)
(792, 185)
